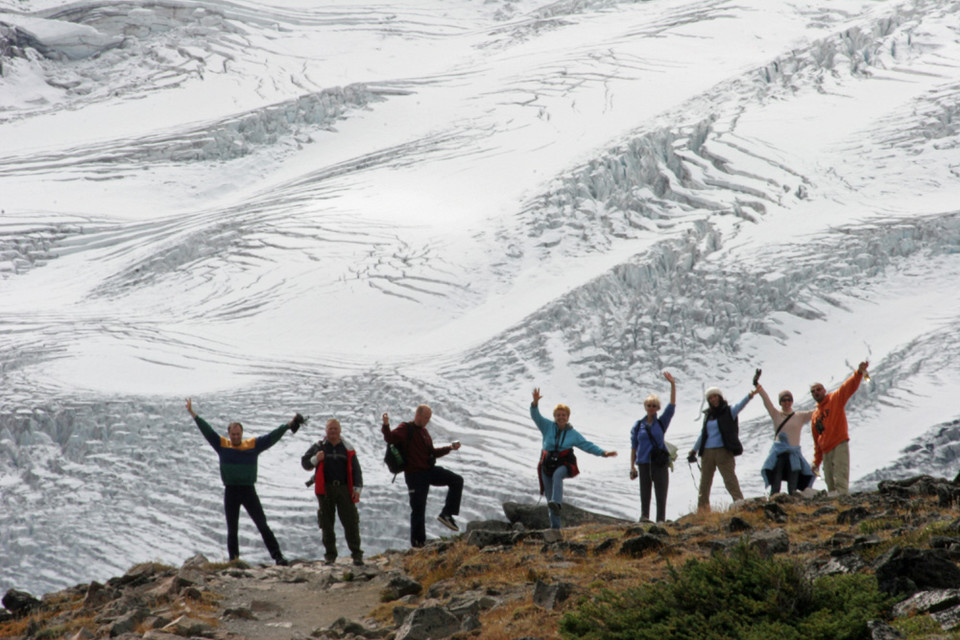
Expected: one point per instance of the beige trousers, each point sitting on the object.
(836, 468)
(717, 459)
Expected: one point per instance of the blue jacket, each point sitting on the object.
(641, 432)
(570, 436)
(797, 462)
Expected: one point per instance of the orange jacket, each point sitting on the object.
(831, 410)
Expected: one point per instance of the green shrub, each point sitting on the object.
(742, 595)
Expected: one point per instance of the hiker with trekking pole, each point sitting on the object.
(719, 444)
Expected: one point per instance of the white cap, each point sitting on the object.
(712, 391)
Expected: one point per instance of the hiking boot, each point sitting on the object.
(358, 561)
(448, 522)
(281, 561)
(554, 507)
(329, 561)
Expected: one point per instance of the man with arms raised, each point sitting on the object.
(238, 470)
(830, 437)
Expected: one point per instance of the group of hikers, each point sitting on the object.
(338, 481)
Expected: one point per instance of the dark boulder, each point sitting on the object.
(547, 596)
(400, 586)
(909, 570)
(637, 546)
(737, 524)
(533, 516)
(19, 603)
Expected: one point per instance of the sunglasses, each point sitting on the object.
(650, 405)
(786, 399)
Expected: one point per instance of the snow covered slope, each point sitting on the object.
(354, 208)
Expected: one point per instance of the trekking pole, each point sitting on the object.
(693, 477)
(703, 390)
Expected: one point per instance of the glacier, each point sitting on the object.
(346, 209)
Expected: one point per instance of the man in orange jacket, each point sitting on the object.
(830, 437)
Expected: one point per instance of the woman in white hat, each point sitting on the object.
(718, 445)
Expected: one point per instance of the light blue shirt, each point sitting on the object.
(714, 439)
(570, 437)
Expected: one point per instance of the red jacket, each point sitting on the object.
(417, 448)
(319, 485)
(832, 411)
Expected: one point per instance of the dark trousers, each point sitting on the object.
(656, 477)
(233, 497)
(782, 470)
(418, 485)
(338, 501)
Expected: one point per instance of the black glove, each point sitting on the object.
(692, 457)
(296, 422)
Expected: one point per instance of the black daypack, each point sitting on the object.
(394, 457)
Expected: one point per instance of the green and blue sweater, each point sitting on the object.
(238, 465)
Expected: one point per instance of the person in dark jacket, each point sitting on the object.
(420, 472)
(238, 470)
(718, 446)
(337, 484)
(647, 436)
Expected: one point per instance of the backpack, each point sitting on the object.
(394, 459)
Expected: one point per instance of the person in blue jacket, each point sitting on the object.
(646, 437)
(718, 446)
(557, 460)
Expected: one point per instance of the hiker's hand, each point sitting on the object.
(386, 420)
(633, 473)
(455, 445)
(536, 396)
(356, 494)
(296, 422)
(692, 456)
(609, 454)
(190, 408)
(669, 377)
(320, 456)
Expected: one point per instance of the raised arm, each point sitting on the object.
(543, 424)
(737, 408)
(266, 441)
(673, 387)
(396, 436)
(207, 431)
(851, 384)
(775, 413)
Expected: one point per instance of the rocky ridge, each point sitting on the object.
(515, 578)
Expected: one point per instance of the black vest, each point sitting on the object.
(729, 431)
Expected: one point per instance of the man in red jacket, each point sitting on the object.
(830, 437)
(337, 483)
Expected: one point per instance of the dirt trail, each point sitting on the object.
(284, 602)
